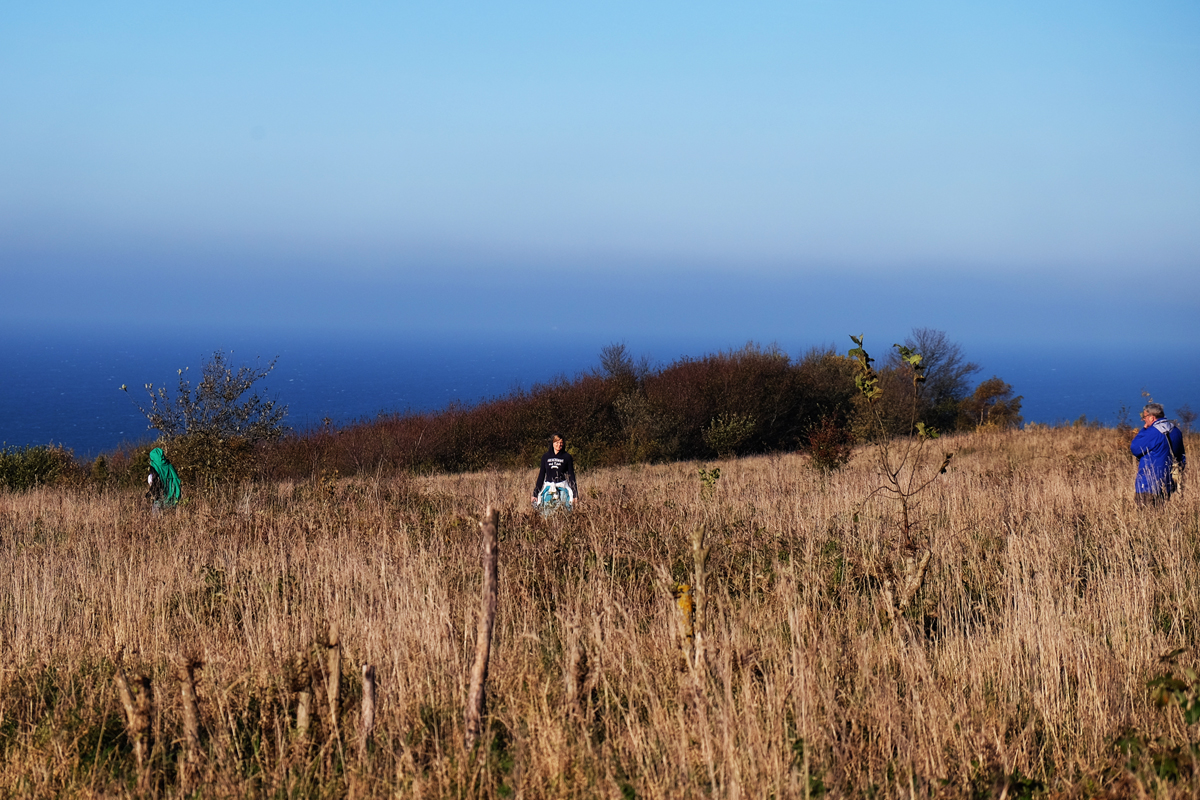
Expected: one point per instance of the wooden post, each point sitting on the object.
(686, 607)
(300, 680)
(333, 678)
(576, 658)
(476, 696)
(303, 712)
(699, 597)
(367, 724)
(136, 702)
(191, 722)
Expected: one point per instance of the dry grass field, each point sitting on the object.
(1021, 661)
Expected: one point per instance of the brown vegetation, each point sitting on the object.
(749, 401)
(1021, 661)
(753, 400)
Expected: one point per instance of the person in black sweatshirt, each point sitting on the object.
(557, 467)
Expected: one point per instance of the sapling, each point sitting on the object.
(903, 463)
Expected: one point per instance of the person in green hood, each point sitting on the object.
(164, 490)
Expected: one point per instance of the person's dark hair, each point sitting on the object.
(557, 437)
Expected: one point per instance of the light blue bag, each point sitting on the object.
(555, 496)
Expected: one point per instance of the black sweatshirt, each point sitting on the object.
(556, 468)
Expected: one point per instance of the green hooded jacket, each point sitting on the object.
(168, 476)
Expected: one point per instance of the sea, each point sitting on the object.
(63, 387)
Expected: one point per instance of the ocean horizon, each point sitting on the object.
(63, 387)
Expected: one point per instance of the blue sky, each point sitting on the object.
(777, 170)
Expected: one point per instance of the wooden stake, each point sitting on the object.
(367, 725)
(191, 722)
(699, 596)
(136, 702)
(572, 669)
(682, 593)
(303, 712)
(300, 680)
(476, 696)
(334, 675)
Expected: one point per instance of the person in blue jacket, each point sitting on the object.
(1158, 447)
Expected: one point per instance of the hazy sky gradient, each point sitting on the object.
(992, 169)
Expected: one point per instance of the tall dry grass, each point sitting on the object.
(1048, 601)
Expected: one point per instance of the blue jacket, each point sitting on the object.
(1156, 448)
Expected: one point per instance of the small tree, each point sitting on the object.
(1187, 417)
(211, 430)
(829, 444)
(904, 465)
(947, 375)
(616, 361)
(901, 461)
(991, 406)
(727, 432)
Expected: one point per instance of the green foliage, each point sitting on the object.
(206, 459)
(99, 470)
(989, 783)
(138, 465)
(727, 432)
(865, 376)
(888, 401)
(209, 432)
(23, 468)
(816, 786)
(758, 385)
(708, 480)
(913, 359)
(1179, 689)
(926, 374)
(643, 426)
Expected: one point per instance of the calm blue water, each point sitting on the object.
(63, 387)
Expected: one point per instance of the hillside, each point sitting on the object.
(1022, 660)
